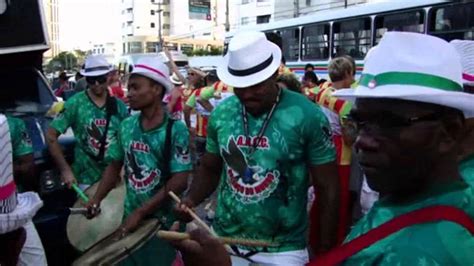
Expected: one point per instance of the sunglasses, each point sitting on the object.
(387, 121)
(100, 79)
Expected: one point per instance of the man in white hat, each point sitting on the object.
(16, 210)
(409, 116)
(466, 52)
(154, 150)
(94, 117)
(263, 144)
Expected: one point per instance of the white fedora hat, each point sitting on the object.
(175, 80)
(15, 210)
(423, 68)
(153, 68)
(466, 52)
(96, 65)
(250, 59)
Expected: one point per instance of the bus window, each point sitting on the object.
(315, 42)
(452, 22)
(412, 21)
(290, 43)
(352, 37)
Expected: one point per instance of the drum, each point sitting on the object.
(112, 250)
(84, 233)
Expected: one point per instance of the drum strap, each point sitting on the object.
(166, 172)
(420, 216)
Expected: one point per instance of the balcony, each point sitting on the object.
(127, 4)
(128, 17)
(128, 30)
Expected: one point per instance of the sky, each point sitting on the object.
(85, 22)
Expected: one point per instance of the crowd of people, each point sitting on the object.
(384, 163)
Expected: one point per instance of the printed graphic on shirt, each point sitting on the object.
(250, 183)
(140, 178)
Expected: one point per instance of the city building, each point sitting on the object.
(108, 50)
(51, 13)
(185, 25)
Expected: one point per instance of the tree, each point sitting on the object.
(81, 56)
(63, 61)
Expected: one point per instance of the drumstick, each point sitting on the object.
(193, 214)
(171, 235)
(80, 193)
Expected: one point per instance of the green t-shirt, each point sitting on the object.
(436, 243)
(466, 168)
(88, 121)
(142, 153)
(270, 206)
(21, 141)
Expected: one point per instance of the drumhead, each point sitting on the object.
(112, 250)
(84, 233)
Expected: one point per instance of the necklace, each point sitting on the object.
(248, 175)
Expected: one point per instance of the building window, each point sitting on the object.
(166, 14)
(135, 47)
(129, 23)
(308, 2)
(166, 26)
(244, 20)
(130, 10)
(245, 1)
(151, 47)
(152, 12)
(352, 37)
(152, 24)
(263, 19)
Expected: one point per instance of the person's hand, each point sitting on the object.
(181, 210)
(201, 249)
(68, 178)
(93, 208)
(132, 222)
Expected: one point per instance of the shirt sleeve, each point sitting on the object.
(21, 141)
(191, 102)
(207, 93)
(318, 138)
(115, 151)
(212, 145)
(66, 116)
(180, 153)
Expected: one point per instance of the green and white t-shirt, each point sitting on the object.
(435, 243)
(88, 121)
(143, 155)
(271, 205)
(21, 141)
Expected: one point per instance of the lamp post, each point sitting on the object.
(159, 47)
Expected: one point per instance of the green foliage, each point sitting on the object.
(63, 61)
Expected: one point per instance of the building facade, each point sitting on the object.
(185, 24)
(51, 13)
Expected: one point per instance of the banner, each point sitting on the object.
(200, 9)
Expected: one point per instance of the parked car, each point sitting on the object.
(25, 93)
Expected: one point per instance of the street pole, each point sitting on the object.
(227, 23)
(159, 47)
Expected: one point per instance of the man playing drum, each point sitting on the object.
(155, 152)
(94, 117)
(262, 146)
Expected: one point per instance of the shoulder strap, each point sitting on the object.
(110, 109)
(420, 216)
(167, 151)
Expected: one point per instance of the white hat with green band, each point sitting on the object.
(413, 67)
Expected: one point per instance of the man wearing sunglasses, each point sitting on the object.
(94, 117)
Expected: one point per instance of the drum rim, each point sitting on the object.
(128, 251)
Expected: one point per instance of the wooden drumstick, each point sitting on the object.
(193, 214)
(171, 235)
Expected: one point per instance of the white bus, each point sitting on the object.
(319, 37)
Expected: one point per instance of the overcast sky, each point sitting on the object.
(85, 22)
